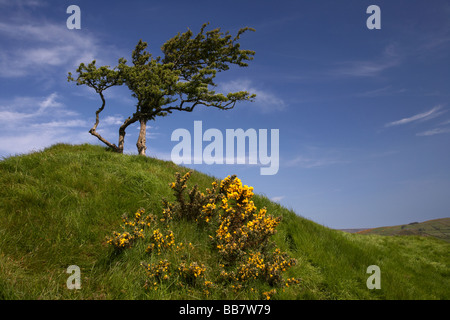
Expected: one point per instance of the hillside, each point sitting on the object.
(438, 228)
(58, 206)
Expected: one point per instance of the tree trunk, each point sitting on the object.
(140, 144)
(127, 122)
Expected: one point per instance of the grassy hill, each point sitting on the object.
(438, 228)
(58, 206)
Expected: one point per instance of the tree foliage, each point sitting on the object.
(180, 80)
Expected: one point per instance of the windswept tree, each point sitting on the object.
(180, 80)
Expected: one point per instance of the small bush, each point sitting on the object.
(243, 255)
(160, 241)
(132, 230)
(156, 273)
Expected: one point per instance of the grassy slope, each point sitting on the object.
(438, 228)
(58, 205)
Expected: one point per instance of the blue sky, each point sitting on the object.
(362, 114)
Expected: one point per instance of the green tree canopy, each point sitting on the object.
(180, 80)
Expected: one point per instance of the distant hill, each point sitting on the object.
(352, 230)
(438, 228)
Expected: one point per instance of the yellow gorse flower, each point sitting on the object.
(133, 230)
(238, 230)
(160, 241)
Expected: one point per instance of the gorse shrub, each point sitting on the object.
(241, 227)
(132, 230)
(191, 207)
(156, 273)
(189, 273)
(160, 241)
(242, 255)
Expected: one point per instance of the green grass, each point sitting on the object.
(438, 228)
(57, 207)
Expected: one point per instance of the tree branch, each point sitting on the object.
(97, 120)
(227, 106)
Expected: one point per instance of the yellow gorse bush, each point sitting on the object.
(160, 241)
(156, 273)
(132, 230)
(241, 226)
(239, 233)
(252, 268)
(189, 273)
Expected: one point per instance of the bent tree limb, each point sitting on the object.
(99, 79)
(93, 130)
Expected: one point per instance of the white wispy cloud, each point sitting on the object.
(19, 109)
(311, 156)
(311, 162)
(363, 68)
(77, 123)
(265, 101)
(113, 120)
(433, 132)
(277, 198)
(375, 92)
(427, 115)
(389, 58)
(48, 45)
(50, 101)
(379, 92)
(37, 139)
(22, 3)
(30, 123)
